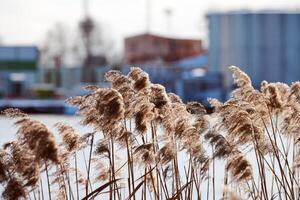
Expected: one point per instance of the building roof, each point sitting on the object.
(152, 48)
(255, 12)
(18, 57)
(195, 61)
(161, 37)
(13, 53)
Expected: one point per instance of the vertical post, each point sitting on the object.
(148, 16)
(168, 13)
(86, 8)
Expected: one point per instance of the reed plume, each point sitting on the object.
(237, 164)
(140, 78)
(4, 165)
(38, 138)
(22, 161)
(123, 84)
(14, 190)
(70, 139)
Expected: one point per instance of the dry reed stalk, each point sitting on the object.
(154, 129)
(89, 165)
(42, 191)
(48, 180)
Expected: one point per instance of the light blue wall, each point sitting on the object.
(70, 77)
(6, 83)
(265, 45)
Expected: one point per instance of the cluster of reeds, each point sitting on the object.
(148, 144)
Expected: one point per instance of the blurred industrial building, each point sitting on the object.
(154, 48)
(265, 44)
(181, 65)
(18, 68)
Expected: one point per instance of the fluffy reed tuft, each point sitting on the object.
(239, 167)
(36, 136)
(124, 85)
(70, 139)
(14, 113)
(14, 190)
(139, 77)
(240, 77)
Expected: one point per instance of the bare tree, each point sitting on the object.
(56, 46)
(88, 46)
(55, 51)
(93, 47)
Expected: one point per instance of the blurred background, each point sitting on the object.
(49, 49)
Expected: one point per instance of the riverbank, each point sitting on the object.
(41, 106)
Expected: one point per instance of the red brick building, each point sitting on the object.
(147, 48)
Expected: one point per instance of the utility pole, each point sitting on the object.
(86, 28)
(86, 8)
(148, 16)
(168, 13)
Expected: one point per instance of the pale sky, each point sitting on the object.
(26, 22)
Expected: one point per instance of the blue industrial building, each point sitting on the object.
(264, 44)
(18, 70)
(21, 78)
